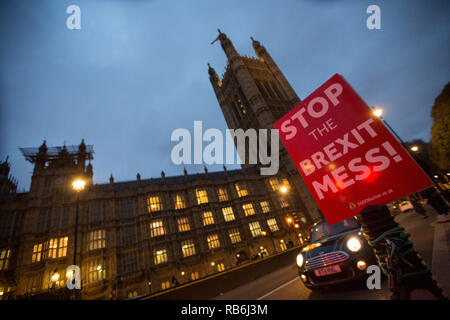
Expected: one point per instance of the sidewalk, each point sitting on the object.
(431, 238)
(441, 253)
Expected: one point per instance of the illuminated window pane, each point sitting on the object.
(207, 218)
(96, 271)
(62, 247)
(157, 228)
(194, 275)
(188, 248)
(183, 224)
(235, 235)
(165, 285)
(248, 209)
(272, 223)
(213, 241)
(223, 195)
(274, 184)
(154, 203)
(228, 214)
(179, 202)
(202, 196)
(255, 228)
(37, 253)
(97, 239)
(4, 259)
(264, 206)
(160, 256)
(220, 267)
(241, 191)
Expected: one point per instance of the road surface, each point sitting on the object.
(430, 238)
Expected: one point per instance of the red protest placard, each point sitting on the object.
(345, 154)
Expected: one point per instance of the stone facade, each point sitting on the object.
(130, 239)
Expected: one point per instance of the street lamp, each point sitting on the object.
(414, 148)
(283, 189)
(378, 112)
(55, 276)
(78, 185)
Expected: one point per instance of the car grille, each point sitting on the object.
(326, 260)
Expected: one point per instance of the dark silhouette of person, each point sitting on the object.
(418, 207)
(435, 201)
(174, 281)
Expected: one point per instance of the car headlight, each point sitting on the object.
(354, 244)
(300, 260)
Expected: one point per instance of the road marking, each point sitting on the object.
(276, 289)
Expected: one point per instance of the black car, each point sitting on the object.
(335, 254)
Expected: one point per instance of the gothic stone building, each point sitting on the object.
(133, 238)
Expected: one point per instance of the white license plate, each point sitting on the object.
(327, 271)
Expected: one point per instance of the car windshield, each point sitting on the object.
(323, 229)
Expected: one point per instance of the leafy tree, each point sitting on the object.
(440, 131)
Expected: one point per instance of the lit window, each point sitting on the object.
(37, 253)
(228, 214)
(57, 247)
(220, 267)
(188, 248)
(154, 203)
(179, 202)
(255, 228)
(183, 224)
(264, 206)
(213, 241)
(272, 223)
(34, 283)
(160, 256)
(165, 285)
(96, 271)
(194, 276)
(223, 195)
(235, 235)
(126, 209)
(157, 228)
(97, 239)
(285, 182)
(248, 209)
(132, 294)
(207, 218)
(202, 196)
(274, 184)
(4, 259)
(241, 191)
(284, 203)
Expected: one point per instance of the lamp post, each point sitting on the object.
(78, 185)
(379, 112)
